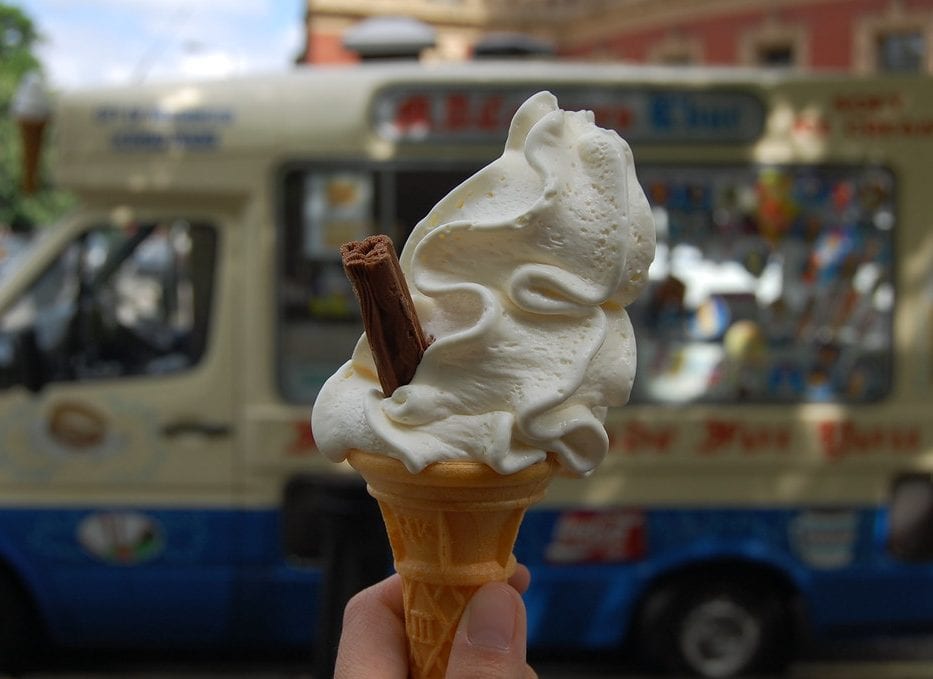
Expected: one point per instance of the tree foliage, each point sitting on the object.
(18, 39)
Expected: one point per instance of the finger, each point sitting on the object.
(521, 579)
(372, 644)
(490, 640)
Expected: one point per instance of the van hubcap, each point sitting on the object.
(719, 638)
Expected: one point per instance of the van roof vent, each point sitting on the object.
(512, 45)
(389, 37)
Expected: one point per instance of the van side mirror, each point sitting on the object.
(910, 518)
(28, 356)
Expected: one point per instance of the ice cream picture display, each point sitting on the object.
(493, 348)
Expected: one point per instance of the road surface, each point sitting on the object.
(910, 658)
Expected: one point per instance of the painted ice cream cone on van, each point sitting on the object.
(31, 109)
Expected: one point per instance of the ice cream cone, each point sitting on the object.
(31, 131)
(452, 528)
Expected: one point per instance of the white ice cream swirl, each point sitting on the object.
(521, 274)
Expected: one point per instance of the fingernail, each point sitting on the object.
(491, 617)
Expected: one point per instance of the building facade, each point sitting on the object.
(852, 35)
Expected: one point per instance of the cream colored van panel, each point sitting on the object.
(157, 439)
(693, 454)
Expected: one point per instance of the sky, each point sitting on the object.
(120, 42)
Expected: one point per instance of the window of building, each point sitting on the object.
(776, 55)
(894, 41)
(774, 44)
(676, 50)
(901, 52)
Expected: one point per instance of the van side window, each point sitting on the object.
(769, 285)
(319, 320)
(322, 208)
(118, 301)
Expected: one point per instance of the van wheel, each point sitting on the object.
(18, 627)
(716, 628)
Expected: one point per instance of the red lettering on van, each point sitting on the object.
(619, 118)
(458, 113)
(907, 127)
(868, 103)
(845, 438)
(490, 114)
(415, 111)
(463, 113)
(303, 443)
(721, 435)
(638, 437)
(815, 125)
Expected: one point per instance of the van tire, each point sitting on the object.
(716, 627)
(18, 626)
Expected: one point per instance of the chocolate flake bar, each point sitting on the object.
(392, 328)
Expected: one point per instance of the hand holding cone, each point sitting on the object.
(452, 527)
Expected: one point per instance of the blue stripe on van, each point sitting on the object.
(217, 577)
(201, 577)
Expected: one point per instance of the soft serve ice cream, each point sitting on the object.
(521, 275)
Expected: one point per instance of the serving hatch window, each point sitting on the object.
(770, 284)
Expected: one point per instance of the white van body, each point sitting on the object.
(161, 347)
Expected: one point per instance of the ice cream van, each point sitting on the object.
(771, 478)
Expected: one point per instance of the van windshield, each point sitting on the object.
(15, 249)
(770, 284)
(118, 300)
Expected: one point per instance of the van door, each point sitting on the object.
(116, 423)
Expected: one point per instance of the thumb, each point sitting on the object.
(490, 640)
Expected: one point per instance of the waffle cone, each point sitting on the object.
(452, 528)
